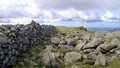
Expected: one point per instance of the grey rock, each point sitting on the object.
(52, 64)
(113, 58)
(63, 42)
(117, 52)
(107, 46)
(72, 57)
(66, 48)
(88, 50)
(55, 40)
(88, 61)
(87, 37)
(74, 66)
(101, 60)
(79, 46)
(94, 43)
(70, 41)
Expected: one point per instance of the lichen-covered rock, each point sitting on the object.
(72, 57)
(94, 43)
(55, 40)
(107, 46)
(79, 46)
(101, 60)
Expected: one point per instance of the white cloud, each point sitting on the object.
(18, 8)
(110, 17)
(23, 11)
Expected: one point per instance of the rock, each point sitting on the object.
(47, 57)
(87, 61)
(106, 47)
(72, 57)
(101, 60)
(117, 52)
(74, 66)
(70, 41)
(99, 35)
(115, 42)
(86, 51)
(57, 54)
(52, 64)
(63, 42)
(16, 39)
(3, 40)
(89, 58)
(94, 43)
(113, 50)
(87, 37)
(49, 47)
(55, 40)
(66, 48)
(113, 58)
(79, 46)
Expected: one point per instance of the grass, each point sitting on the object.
(69, 29)
(114, 64)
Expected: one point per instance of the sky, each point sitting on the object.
(60, 11)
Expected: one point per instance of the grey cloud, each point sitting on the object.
(79, 4)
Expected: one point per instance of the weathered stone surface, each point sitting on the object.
(70, 41)
(79, 46)
(113, 58)
(52, 64)
(66, 48)
(117, 52)
(101, 60)
(63, 42)
(55, 40)
(87, 61)
(74, 66)
(107, 46)
(72, 57)
(94, 43)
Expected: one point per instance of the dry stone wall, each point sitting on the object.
(15, 39)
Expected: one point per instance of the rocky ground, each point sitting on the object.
(74, 49)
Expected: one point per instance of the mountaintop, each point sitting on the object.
(46, 46)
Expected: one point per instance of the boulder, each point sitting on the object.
(117, 52)
(87, 37)
(52, 64)
(66, 48)
(74, 66)
(70, 41)
(101, 60)
(72, 57)
(79, 46)
(55, 40)
(99, 35)
(89, 58)
(107, 46)
(94, 43)
(113, 58)
(88, 61)
(62, 42)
